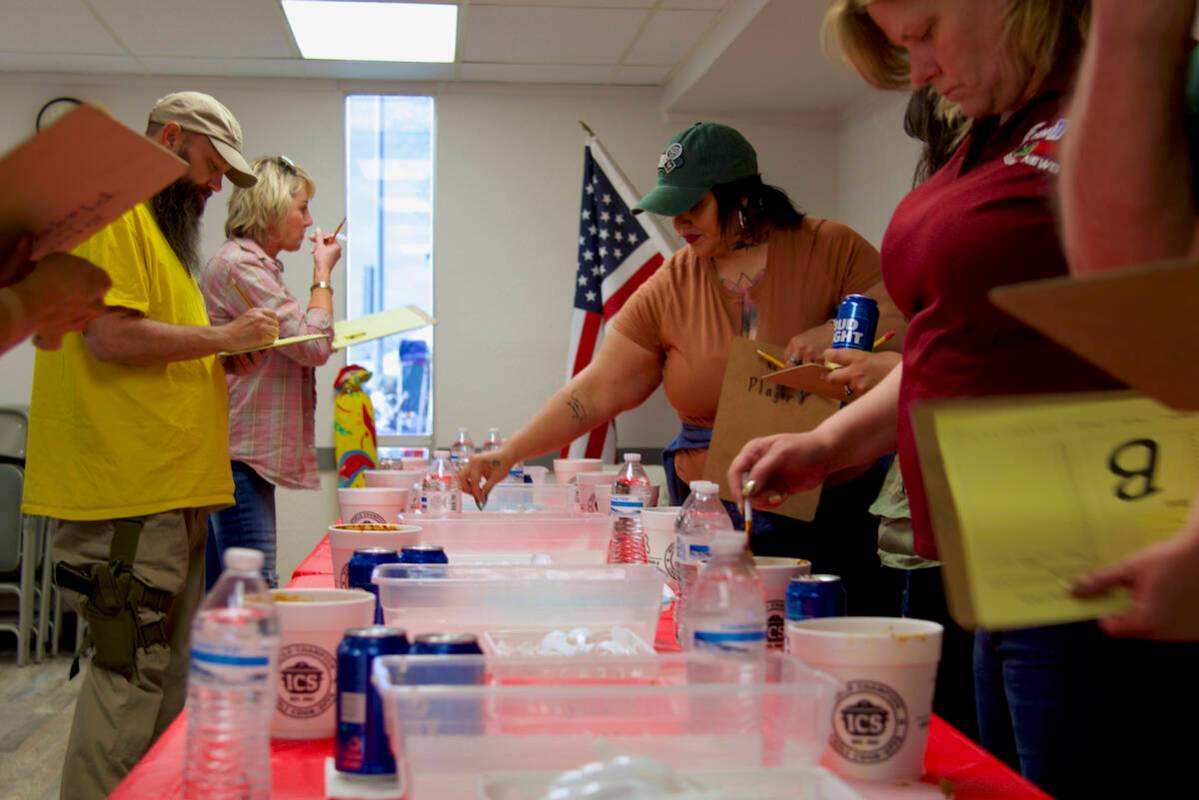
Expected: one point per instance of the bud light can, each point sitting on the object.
(361, 747)
(856, 323)
(423, 554)
(810, 596)
(362, 564)
(453, 659)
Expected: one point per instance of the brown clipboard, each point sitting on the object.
(807, 378)
(1140, 324)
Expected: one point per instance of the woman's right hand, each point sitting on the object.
(256, 326)
(484, 471)
(326, 252)
(781, 465)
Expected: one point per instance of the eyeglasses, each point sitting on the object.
(287, 164)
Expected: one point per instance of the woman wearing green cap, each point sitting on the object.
(752, 266)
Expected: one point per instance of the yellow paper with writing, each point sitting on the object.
(1028, 494)
(349, 332)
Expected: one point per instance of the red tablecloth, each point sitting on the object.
(298, 768)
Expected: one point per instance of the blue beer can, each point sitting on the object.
(362, 747)
(856, 323)
(810, 596)
(362, 564)
(423, 554)
(450, 659)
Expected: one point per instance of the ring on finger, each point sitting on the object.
(848, 391)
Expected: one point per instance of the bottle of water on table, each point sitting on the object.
(439, 492)
(727, 608)
(231, 686)
(462, 448)
(701, 518)
(631, 493)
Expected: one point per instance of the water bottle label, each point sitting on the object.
(229, 659)
(731, 640)
(231, 669)
(627, 506)
(691, 553)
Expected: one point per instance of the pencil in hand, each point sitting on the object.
(331, 238)
(241, 293)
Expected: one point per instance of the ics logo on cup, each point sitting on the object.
(367, 516)
(343, 577)
(670, 561)
(870, 722)
(306, 684)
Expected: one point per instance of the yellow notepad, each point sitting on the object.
(307, 337)
(1026, 494)
(356, 331)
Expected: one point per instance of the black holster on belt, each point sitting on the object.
(113, 597)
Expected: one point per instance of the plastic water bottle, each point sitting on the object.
(231, 686)
(439, 493)
(727, 607)
(462, 448)
(493, 441)
(700, 519)
(631, 493)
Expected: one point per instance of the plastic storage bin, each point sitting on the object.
(566, 539)
(699, 713)
(475, 599)
(514, 498)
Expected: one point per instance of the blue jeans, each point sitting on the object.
(1084, 715)
(250, 522)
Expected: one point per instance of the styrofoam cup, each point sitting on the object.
(889, 667)
(603, 498)
(566, 468)
(372, 505)
(776, 572)
(311, 625)
(392, 478)
(343, 541)
(587, 481)
(658, 524)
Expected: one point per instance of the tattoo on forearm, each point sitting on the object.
(576, 407)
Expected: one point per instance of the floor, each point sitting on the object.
(38, 703)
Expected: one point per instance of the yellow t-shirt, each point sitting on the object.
(108, 440)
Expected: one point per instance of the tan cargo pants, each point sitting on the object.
(117, 719)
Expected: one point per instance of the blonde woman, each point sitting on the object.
(272, 410)
(1074, 711)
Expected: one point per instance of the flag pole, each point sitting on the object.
(587, 128)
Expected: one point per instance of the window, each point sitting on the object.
(389, 178)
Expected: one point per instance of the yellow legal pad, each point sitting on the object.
(1028, 493)
(350, 332)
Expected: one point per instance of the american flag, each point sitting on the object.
(617, 253)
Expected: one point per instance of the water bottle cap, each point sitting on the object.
(462, 430)
(705, 487)
(243, 559)
(493, 430)
(441, 454)
(633, 457)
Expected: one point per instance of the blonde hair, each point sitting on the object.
(254, 211)
(1036, 34)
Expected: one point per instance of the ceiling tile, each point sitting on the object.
(209, 29)
(669, 37)
(299, 68)
(504, 34)
(536, 73)
(53, 26)
(641, 76)
(65, 62)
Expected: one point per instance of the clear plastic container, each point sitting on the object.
(513, 498)
(479, 599)
(535, 718)
(567, 539)
(230, 690)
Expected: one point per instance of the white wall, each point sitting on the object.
(509, 161)
(876, 162)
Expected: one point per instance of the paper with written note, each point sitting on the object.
(1028, 493)
(77, 176)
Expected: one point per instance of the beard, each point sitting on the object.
(178, 210)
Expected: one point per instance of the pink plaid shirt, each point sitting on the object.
(272, 410)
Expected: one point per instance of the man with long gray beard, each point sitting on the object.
(128, 449)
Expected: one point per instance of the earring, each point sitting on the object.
(741, 219)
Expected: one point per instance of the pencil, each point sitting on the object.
(771, 360)
(333, 236)
(882, 340)
(241, 294)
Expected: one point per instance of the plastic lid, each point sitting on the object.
(243, 559)
(441, 454)
(634, 457)
(728, 542)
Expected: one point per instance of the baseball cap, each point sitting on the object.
(197, 112)
(705, 155)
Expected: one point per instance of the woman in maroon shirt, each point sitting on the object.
(1059, 702)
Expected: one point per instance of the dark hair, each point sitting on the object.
(925, 122)
(749, 209)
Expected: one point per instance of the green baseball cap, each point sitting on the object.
(705, 155)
